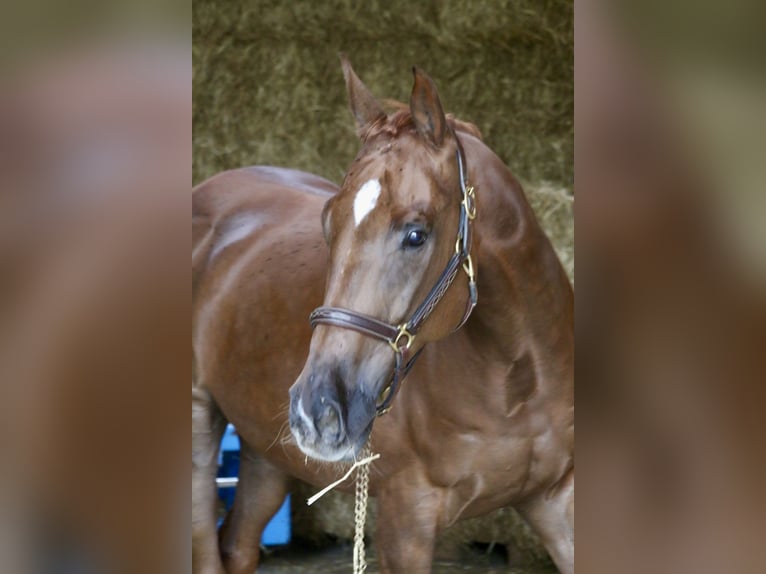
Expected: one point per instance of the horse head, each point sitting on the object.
(398, 234)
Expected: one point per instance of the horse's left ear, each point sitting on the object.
(427, 109)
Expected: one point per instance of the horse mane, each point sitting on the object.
(399, 119)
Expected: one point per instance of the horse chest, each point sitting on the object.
(481, 469)
(485, 446)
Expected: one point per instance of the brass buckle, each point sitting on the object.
(403, 333)
(469, 202)
(382, 398)
(468, 268)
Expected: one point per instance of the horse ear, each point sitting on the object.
(426, 109)
(364, 106)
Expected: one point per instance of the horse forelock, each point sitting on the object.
(400, 121)
(375, 184)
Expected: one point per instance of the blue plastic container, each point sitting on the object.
(277, 531)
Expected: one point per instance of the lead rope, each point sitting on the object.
(360, 512)
(362, 467)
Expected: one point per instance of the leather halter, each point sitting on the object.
(401, 337)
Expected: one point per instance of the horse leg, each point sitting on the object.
(551, 514)
(261, 491)
(407, 528)
(208, 425)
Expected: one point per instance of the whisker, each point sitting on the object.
(287, 439)
(283, 410)
(278, 436)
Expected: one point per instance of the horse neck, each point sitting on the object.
(525, 298)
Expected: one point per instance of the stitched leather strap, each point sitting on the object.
(436, 294)
(401, 370)
(352, 320)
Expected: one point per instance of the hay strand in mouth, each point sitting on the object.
(326, 489)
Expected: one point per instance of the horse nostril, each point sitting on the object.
(329, 424)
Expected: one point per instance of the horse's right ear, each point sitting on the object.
(427, 110)
(364, 106)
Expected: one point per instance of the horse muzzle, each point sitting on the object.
(326, 424)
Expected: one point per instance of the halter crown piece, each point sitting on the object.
(401, 337)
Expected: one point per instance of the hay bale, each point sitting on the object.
(554, 207)
(504, 527)
(332, 518)
(268, 87)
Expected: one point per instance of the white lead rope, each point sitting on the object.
(360, 503)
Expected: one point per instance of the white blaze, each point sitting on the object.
(365, 200)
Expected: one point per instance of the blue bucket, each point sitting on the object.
(277, 531)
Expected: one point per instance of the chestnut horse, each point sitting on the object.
(485, 417)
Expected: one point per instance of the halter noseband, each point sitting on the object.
(401, 337)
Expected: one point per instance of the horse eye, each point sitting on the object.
(414, 238)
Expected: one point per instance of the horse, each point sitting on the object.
(439, 314)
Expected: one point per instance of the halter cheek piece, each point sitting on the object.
(401, 337)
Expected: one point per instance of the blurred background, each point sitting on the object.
(670, 109)
(95, 170)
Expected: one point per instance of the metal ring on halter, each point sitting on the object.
(402, 334)
(468, 268)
